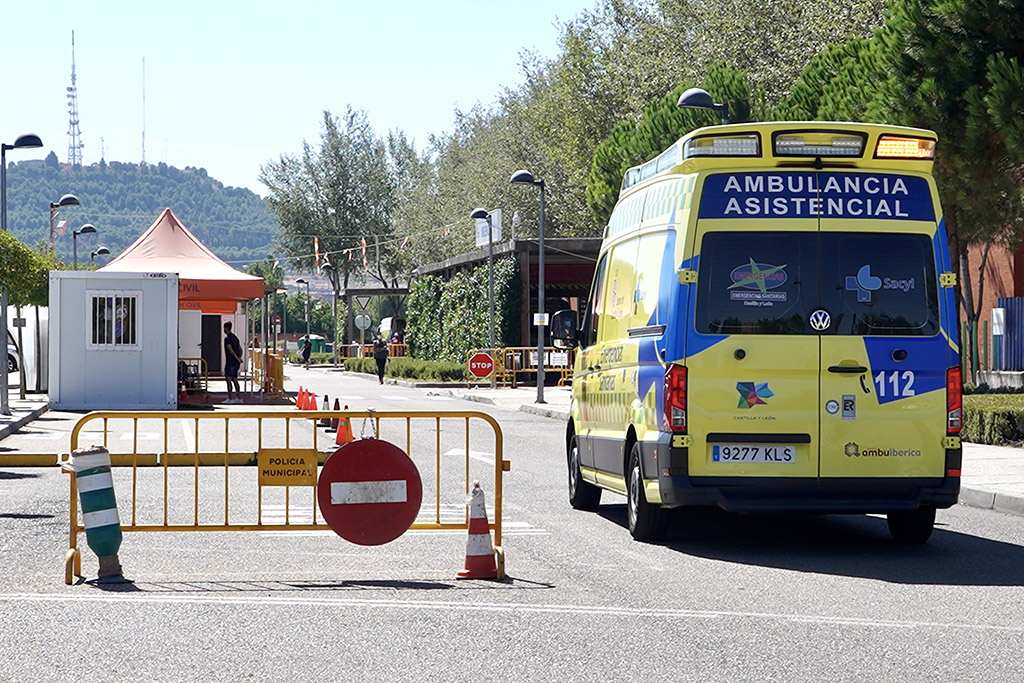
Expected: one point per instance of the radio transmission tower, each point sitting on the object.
(75, 143)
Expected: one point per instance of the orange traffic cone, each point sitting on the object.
(300, 398)
(344, 431)
(325, 421)
(479, 551)
(333, 427)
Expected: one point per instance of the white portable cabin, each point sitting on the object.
(113, 340)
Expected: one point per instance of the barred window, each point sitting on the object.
(112, 320)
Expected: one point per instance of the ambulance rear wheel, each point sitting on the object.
(647, 522)
(582, 494)
(913, 526)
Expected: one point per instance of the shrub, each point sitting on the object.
(411, 368)
(993, 419)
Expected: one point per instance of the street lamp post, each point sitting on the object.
(302, 281)
(332, 275)
(100, 251)
(526, 178)
(25, 141)
(55, 207)
(482, 214)
(87, 229)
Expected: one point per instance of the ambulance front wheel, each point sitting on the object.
(582, 494)
(913, 526)
(647, 522)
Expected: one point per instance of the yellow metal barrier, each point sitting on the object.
(247, 436)
(267, 370)
(509, 361)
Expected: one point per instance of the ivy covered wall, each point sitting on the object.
(446, 319)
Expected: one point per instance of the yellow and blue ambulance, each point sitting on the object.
(772, 326)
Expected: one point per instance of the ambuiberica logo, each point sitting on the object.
(853, 450)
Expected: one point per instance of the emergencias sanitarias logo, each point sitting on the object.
(753, 393)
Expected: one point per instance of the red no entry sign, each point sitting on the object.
(481, 365)
(369, 492)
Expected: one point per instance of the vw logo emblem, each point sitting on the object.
(820, 320)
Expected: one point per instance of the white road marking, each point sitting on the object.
(350, 398)
(44, 436)
(143, 436)
(503, 607)
(190, 437)
(481, 456)
(395, 398)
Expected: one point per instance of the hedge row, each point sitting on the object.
(448, 318)
(411, 368)
(994, 419)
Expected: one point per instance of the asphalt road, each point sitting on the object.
(725, 597)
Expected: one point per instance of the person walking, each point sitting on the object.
(307, 349)
(232, 362)
(380, 354)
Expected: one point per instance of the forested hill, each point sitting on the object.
(122, 201)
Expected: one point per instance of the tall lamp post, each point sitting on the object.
(482, 214)
(87, 229)
(332, 275)
(100, 251)
(26, 141)
(526, 178)
(302, 281)
(55, 207)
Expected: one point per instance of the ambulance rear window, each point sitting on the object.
(880, 284)
(871, 284)
(756, 282)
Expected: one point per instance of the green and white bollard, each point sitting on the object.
(99, 509)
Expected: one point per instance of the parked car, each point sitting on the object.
(13, 359)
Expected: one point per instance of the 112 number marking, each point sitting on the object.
(901, 384)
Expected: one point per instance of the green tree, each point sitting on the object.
(663, 123)
(958, 73)
(341, 193)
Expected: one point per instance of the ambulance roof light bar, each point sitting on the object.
(698, 98)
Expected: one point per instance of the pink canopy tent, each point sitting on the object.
(205, 283)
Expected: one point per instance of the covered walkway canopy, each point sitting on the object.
(206, 283)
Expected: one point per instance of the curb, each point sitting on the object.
(19, 422)
(990, 499)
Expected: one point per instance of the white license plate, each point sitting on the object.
(772, 453)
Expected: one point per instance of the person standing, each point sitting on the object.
(232, 362)
(307, 349)
(380, 354)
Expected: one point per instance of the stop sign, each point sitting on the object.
(369, 492)
(481, 365)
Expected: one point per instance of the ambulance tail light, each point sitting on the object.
(902, 147)
(675, 398)
(954, 401)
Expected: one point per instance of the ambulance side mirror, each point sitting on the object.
(565, 329)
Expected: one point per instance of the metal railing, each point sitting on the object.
(195, 374)
(267, 370)
(511, 361)
(203, 488)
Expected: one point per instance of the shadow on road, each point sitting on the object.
(327, 585)
(843, 545)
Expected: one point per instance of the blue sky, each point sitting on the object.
(231, 85)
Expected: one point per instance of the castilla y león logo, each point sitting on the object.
(752, 394)
(852, 449)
